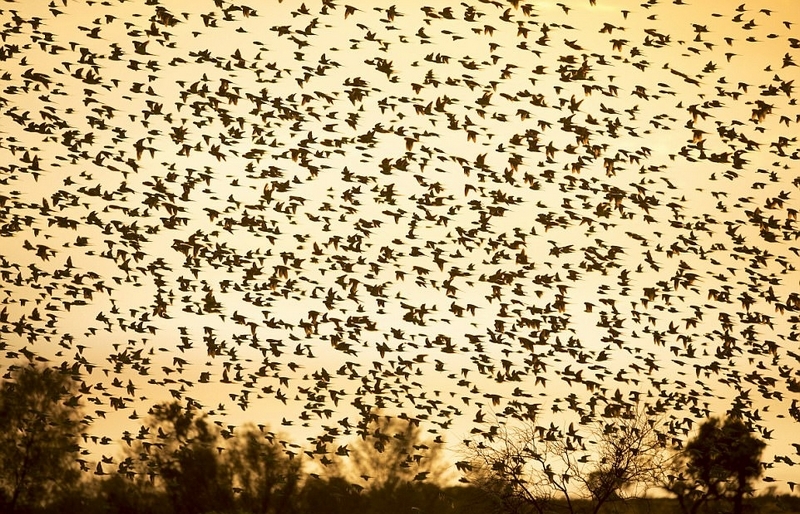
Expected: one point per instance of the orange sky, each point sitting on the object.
(603, 202)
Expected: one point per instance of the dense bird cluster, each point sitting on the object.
(310, 214)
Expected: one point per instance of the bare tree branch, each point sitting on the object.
(551, 470)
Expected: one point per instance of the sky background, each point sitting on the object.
(299, 214)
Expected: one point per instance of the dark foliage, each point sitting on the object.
(718, 465)
(40, 423)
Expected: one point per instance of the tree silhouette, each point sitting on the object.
(181, 455)
(332, 495)
(40, 419)
(120, 495)
(264, 479)
(392, 451)
(549, 470)
(719, 463)
(397, 468)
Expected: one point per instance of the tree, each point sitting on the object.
(399, 469)
(392, 451)
(118, 494)
(549, 470)
(181, 456)
(40, 418)
(265, 479)
(332, 495)
(720, 463)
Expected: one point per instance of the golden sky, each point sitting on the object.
(295, 214)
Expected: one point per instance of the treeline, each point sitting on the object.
(116, 494)
(183, 466)
(182, 463)
(338, 496)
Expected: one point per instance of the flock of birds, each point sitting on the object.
(312, 214)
